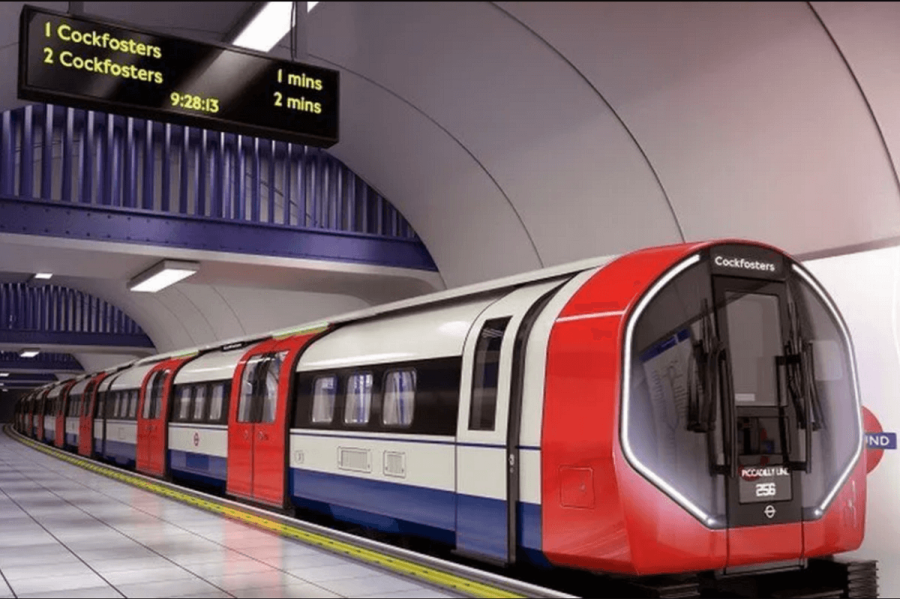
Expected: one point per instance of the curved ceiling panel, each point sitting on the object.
(465, 222)
(547, 140)
(866, 33)
(746, 110)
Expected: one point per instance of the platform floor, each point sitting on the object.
(68, 532)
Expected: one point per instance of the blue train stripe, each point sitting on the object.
(120, 452)
(200, 466)
(395, 507)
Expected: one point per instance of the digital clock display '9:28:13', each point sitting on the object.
(96, 65)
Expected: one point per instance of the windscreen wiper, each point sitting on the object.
(699, 396)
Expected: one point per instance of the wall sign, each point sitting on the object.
(97, 65)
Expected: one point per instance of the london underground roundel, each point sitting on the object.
(871, 426)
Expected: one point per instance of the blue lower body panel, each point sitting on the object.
(417, 511)
(121, 453)
(199, 467)
(71, 440)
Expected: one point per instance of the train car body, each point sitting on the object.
(198, 424)
(689, 408)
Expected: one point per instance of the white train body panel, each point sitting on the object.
(214, 366)
(121, 441)
(435, 333)
(427, 461)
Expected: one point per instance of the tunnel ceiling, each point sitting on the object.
(515, 135)
(518, 135)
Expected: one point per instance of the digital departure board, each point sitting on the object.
(77, 61)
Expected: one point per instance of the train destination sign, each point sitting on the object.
(82, 62)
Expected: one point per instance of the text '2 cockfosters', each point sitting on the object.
(98, 65)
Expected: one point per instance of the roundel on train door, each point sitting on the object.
(196, 439)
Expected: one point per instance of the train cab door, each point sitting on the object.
(761, 437)
(258, 420)
(488, 483)
(153, 417)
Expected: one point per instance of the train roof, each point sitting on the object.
(496, 285)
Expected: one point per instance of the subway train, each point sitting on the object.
(692, 408)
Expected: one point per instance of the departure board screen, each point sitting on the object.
(81, 62)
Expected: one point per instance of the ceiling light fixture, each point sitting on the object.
(43, 275)
(3, 374)
(268, 27)
(162, 274)
(29, 352)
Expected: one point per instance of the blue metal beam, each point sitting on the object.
(45, 361)
(103, 223)
(69, 339)
(27, 377)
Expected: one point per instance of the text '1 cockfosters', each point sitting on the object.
(98, 65)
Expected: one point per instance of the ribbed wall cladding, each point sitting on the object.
(70, 155)
(55, 309)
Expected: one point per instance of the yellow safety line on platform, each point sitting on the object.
(399, 565)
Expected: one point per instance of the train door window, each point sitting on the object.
(359, 398)
(485, 374)
(248, 385)
(86, 400)
(270, 386)
(117, 404)
(399, 397)
(148, 395)
(217, 402)
(158, 389)
(183, 403)
(133, 403)
(199, 403)
(324, 392)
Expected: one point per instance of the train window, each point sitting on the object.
(133, 404)
(217, 402)
(485, 374)
(270, 387)
(248, 380)
(666, 433)
(117, 404)
(324, 391)
(182, 403)
(834, 409)
(359, 398)
(199, 403)
(399, 397)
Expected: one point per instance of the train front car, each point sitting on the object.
(702, 415)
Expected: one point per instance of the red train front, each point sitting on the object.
(701, 413)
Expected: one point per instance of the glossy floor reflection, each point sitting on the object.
(67, 532)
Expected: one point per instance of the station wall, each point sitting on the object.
(865, 286)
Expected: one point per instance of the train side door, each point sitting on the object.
(61, 412)
(257, 438)
(86, 418)
(760, 424)
(152, 440)
(487, 450)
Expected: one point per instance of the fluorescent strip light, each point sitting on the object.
(29, 353)
(43, 275)
(162, 274)
(3, 374)
(268, 27)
